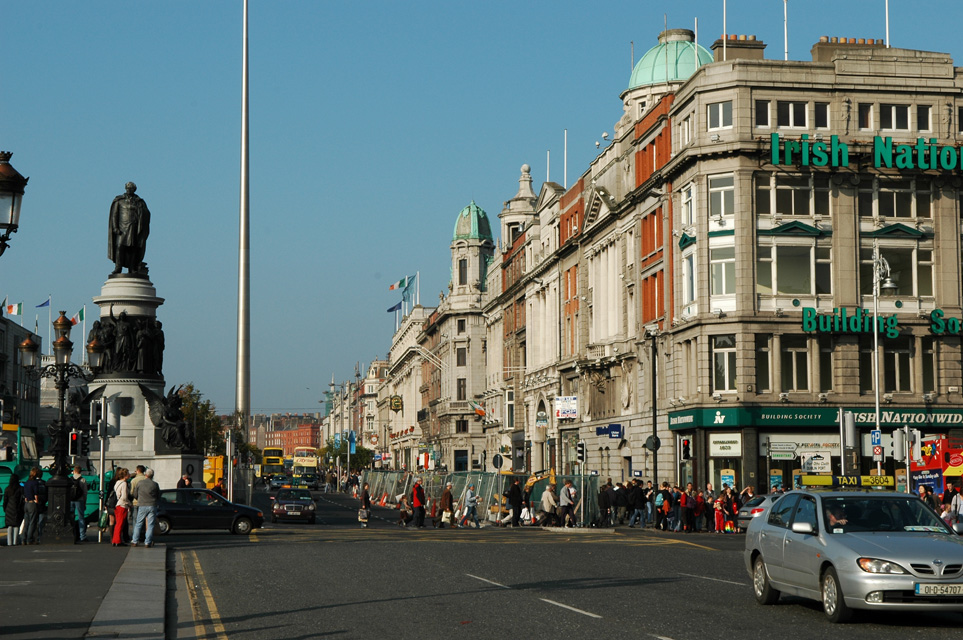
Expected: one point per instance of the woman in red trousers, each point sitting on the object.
(123, 505)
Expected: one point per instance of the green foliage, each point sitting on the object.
(360, 459)
(202, 415)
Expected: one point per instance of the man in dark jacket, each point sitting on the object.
(621, 502)
(515, 500)
(447, 505)
(636, 504)
(605, 505)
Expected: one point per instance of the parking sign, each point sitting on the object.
(877, 437)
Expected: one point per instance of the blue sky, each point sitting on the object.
(372, 124)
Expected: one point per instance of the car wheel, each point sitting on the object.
(834, 605)
(163, 526)
(765, 593)
(242, 526)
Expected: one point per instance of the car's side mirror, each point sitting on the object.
(958, 528)
(803, 527)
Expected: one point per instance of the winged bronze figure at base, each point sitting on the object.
(167, 415)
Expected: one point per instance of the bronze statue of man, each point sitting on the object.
(129, 228)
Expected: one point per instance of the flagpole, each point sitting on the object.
(85, 331)
(49, 322)
(417, 287)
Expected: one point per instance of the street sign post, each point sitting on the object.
(783, 455)
(877, 452)
(876, 436)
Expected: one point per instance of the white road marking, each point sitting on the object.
(565, 606)
(660, 637)
(691, 575)
(39, 560)
(488, 581)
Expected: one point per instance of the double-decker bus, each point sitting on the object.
(272, 462)
(305, 468)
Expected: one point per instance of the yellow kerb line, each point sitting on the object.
(208, 598)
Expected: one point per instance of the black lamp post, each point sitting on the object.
(60, 520)
(11, 194)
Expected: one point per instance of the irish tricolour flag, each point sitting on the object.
(402, 284)
(15, 309)
(77, 318)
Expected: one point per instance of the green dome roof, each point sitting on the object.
(472, 224)
(672, 60)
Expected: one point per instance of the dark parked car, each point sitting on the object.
(204, 509)
(294, 504)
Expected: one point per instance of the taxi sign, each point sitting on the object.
(848, 481)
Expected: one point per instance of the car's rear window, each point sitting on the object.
(294, 494)
(755, 501)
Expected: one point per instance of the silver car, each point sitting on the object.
(755, 507)
(856, 550)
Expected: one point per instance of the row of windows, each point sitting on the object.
(809, 195)
(804, 268)
(802, 114)
(800, 357)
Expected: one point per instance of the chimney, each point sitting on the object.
(739, 47)
(826, 49)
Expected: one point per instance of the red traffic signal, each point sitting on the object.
(74, 444)
(686, 449)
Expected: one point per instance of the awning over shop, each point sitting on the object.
(772, 417)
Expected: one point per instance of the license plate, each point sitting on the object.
(924, 589)
(294, 513)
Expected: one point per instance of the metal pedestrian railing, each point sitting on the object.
(388, 486)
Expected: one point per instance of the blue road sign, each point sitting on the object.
(877, 437)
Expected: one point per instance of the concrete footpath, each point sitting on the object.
(86, 590)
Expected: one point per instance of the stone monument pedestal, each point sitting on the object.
(134, 345)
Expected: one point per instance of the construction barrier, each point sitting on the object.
(489, 487)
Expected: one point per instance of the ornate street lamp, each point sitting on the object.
(11, 194)
(60, 519)
(882, 283)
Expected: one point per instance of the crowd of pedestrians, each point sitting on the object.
(633, 504)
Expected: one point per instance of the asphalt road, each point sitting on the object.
(335, 579)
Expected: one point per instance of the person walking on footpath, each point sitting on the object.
(636, 501)
(447, 508)
(418, 504)
(31, 508)
(514, 498)
(13, 506)
(547, 506)
(123, 505)
(471, 507)
(365, 506)
(147, 493)
(185, 482)
(78, 503)
(566, 503)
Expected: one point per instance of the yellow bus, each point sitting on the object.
(305, 468)
(272, 462)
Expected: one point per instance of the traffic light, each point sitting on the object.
(686, 449)
(899, 445)
(73, 447)
(580, 451)
(917, 444)
(85, 443)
